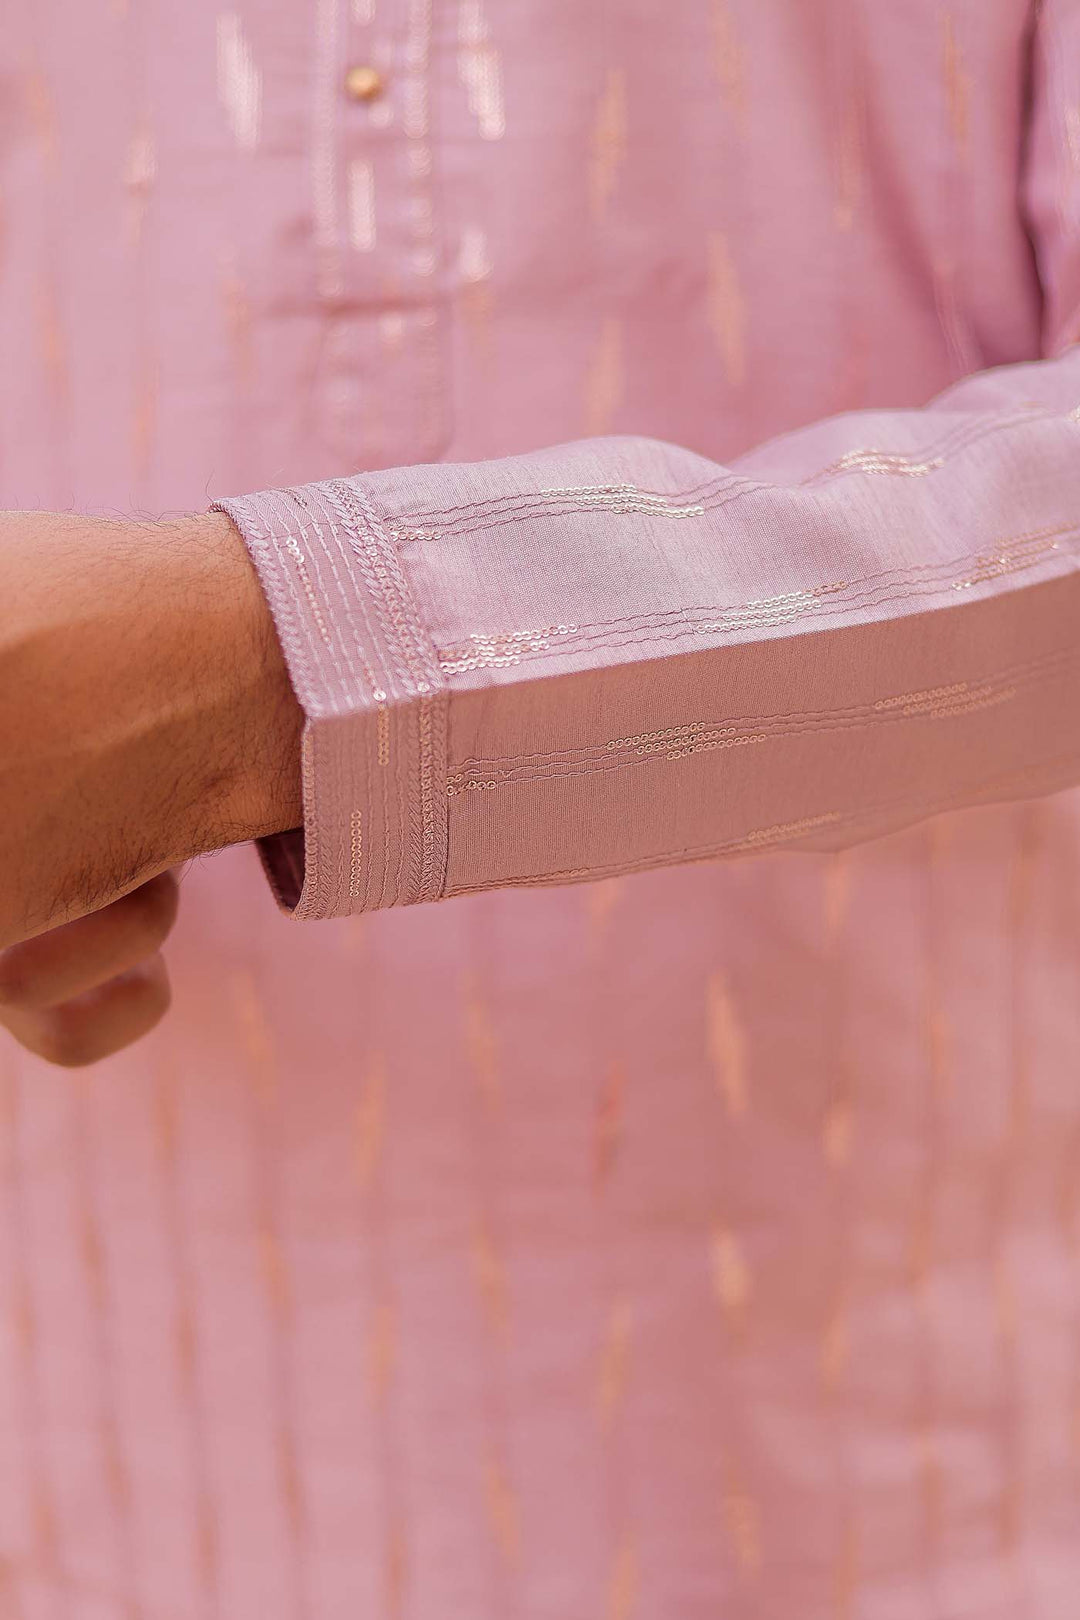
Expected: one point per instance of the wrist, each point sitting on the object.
(145, 710)
(247, 721)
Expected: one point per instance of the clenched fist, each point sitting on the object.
(145, 717)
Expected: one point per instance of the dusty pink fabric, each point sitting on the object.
(702, 1241)
(614, 655)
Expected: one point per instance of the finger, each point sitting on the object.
(99, 1023)
(68, 961)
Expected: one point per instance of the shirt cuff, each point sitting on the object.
(367, 676)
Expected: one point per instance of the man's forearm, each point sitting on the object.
(145, 711)
(250, 706)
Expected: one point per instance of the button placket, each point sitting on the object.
(381, 386)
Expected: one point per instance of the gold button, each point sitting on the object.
(363, 83)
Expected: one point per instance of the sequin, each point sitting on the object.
(356, 851)
(882, 461)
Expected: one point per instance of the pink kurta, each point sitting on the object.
(699, 1241)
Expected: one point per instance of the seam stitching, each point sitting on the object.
(423, 680)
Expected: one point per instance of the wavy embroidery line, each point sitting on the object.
(931, 697)
(454, 521)
(883, 461)
(759, 840)
(1061, 769)
(504, 648)
(500, 649)
(493, 650)
(623, 498)
(675, 743)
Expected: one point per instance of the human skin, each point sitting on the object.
(145, 718)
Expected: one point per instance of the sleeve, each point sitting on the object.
(615, 654)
